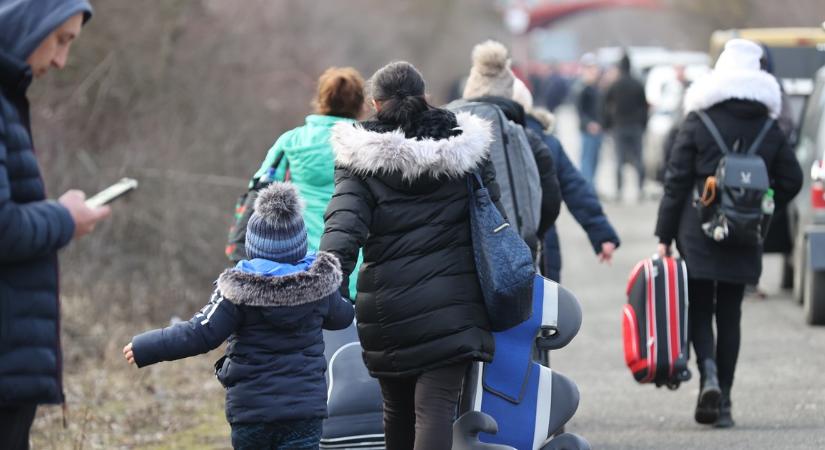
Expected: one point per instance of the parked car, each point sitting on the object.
(807, 212)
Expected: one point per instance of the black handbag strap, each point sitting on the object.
(475, 175)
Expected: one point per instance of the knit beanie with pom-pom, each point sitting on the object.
(490, 74)
(276, 230)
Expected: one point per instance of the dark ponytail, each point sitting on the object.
(399, 86)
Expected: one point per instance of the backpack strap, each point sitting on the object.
(278, 160)
(760, 137)
(713, 132)
(253, 184)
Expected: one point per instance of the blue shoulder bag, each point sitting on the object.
(503, 261)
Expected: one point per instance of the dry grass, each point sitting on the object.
(111, 405)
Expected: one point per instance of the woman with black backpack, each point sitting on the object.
(728, 148)
(401, 193)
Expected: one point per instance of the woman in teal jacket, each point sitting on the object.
(304, 155)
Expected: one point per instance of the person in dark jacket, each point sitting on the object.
(272, 308)
(625, 114)
(739, 98)
(401, 194)
(577, 193)
(34, 37)
(589, 107)
(492, 81)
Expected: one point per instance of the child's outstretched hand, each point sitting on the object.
(128, 354)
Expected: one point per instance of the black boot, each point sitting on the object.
(725, 418)
(707, 406)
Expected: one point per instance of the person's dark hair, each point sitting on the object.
(399, 86)
(624, 63)
(340, 93)
(766, 61)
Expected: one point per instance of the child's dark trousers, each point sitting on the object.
(302, 434)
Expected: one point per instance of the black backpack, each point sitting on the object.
(736, 215)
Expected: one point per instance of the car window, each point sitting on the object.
(811, 134)
(797, 62)
(813, 112)
(820, 138)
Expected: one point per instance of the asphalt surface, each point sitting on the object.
(779, 391)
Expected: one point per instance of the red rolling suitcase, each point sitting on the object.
(654, 322)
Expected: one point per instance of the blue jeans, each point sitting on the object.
(302, 434)
(591, 146)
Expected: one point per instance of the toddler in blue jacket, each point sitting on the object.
(271, 308)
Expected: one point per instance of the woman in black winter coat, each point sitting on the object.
(401, 194)
(739, 98)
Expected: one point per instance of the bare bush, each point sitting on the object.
(187, 96)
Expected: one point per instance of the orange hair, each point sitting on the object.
(340, 93)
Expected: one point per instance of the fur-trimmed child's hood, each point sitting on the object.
(243, 288)
(366, 152)
(722, 85)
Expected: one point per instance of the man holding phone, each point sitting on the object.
(35, 36)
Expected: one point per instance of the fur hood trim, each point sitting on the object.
(545, 118)
(722, 85)
(321, 280)
(367, 152)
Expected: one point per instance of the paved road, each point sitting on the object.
(779, 393)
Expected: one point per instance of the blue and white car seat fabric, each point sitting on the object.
(354, 401)
(528, 401)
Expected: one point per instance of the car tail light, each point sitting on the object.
(818, 195)
(818, 186)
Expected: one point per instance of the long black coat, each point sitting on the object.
(403, 197)
(695, 157)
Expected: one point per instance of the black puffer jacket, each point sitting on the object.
(32, 230)
(403, 197)
(625, 103)
(695, 157)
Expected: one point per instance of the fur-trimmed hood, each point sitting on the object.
(722, 85)
(544, 117)
(250, 289)
(366, 152)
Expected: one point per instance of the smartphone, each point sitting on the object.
(111, 193)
